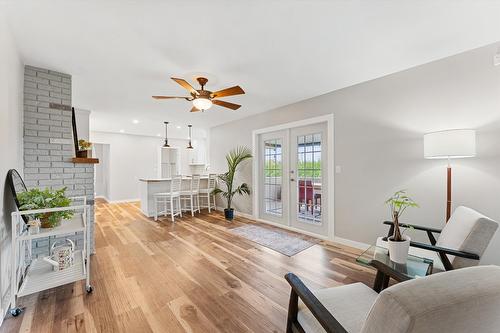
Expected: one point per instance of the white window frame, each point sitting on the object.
(329, 119)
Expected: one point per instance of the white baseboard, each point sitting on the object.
(122, 201)
(351, 243)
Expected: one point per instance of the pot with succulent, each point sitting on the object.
(399, 244)
(41, 199)
(234, 159)
(84, 149)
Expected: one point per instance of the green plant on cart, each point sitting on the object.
(42, 199)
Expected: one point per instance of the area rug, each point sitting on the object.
(282, 241)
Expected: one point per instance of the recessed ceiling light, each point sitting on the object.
(158, 134)
(178, 127)
(135, 121)
(122, 131)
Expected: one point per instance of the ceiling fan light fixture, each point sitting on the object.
(202, 103)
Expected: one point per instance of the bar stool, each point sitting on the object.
(191, 196)
(170, 198)
(207, 193)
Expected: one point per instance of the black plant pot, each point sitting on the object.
(229, 214)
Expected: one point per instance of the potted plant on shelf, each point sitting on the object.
(234, 158)
(399, 244)
(40, 199)
(84, 149)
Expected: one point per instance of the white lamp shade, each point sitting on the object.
(450, 144)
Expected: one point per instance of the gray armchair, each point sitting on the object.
(462, 301)
(461, 242)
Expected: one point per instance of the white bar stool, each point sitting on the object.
(170, 199)
(207, 193)
(191, 196)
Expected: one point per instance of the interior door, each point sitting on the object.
(308, 178)
(273, 176)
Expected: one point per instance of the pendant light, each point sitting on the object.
(166, 134)
(189, 145)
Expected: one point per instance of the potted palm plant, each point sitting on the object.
(40, 199)
(234, 158)
(399, 244)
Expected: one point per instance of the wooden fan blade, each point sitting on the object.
(236, 90)
(194, 109)
(169, 97)
(185, 85)
(226, 104)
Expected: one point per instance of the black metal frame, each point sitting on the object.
(443, 252)
(324, 317)
(10, 181)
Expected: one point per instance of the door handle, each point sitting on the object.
(292, 179)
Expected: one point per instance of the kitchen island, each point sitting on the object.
(150, 186)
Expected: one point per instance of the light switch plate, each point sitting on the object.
(338, 169)
(496, 59)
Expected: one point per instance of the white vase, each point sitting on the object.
(398, 251)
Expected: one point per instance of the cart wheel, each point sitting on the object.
(15, 312)
(89, 289)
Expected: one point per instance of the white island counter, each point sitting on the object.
(150, 186)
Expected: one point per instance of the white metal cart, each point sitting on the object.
(31, 275)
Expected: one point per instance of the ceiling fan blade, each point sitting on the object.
(185, 85)
(168, 97)
(194, 109)
(226, 104)
(236, 90)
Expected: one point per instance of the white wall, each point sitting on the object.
(102, 171)
(136, 156)
(82, 119)
(378, 143)
(11, 83)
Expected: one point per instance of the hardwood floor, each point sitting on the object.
(191, 276)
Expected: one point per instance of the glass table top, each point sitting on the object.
(414, 267)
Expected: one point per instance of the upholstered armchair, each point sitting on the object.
(461, 301)
(461, 242)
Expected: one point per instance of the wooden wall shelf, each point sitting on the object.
(87, 160)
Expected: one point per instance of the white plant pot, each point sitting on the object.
(398, 251)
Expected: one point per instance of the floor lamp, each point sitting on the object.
(448, 145)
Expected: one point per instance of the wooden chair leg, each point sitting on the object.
(293, 308)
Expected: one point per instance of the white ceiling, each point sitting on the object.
(279, 51)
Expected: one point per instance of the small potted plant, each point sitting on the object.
(40, 199)
(234, 158)
(84, 149)
(399, 244)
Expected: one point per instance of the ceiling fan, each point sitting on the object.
(203, 99)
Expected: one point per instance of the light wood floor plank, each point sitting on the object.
(191, 276)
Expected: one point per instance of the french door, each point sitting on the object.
(293, 178)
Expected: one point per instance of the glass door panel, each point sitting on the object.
(273, 173)
(273, 177)
(308, 161)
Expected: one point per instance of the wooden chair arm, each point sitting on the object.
(324, 317)
(452, 252)
(416, 227)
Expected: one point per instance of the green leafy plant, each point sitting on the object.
(40, 199)
(398, 203)
(234, 158)
(84, 145)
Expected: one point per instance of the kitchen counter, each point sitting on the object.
(150, 186)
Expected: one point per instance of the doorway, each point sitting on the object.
(293, 177)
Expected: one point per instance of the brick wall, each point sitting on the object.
(48, 143)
